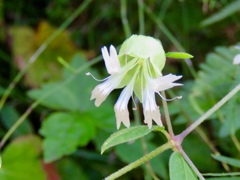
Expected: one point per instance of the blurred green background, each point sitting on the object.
(62, 135)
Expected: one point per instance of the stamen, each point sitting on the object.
(100, 80)
(177, 97)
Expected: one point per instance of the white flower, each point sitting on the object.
(137, 68)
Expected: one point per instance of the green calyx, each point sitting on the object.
(143, 47)
(147, 57)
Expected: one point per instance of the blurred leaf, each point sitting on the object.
(228, 10)
(228, 160)
(126, 135)
(68, 95)
(132, 151)
(9, 116)
(64, 132)
(68, 168)
(179, 169)
(203, 164)
(216, 78)
(20, 160)
(46, 68)
(178, 55)
(231, 115)
(2, 90)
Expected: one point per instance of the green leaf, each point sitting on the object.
(230, 161)
(20, 160)
(179, 169)
(46, 68)
(1, 91)
(126, 135)
(68, 168)
(9, 116)
(68, 94)
(178, 55)
(216, 78)
(228, 10)
(64, 132)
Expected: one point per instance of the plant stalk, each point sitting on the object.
(140, 161)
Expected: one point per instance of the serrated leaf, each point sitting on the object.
(179, 169)
(21, 160)
(126, 135)
(178, 55)
(228, 160)
(64, 132)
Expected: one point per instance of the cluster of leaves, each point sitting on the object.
(63, 137)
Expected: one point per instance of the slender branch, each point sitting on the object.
(140, 161)
(199, 131)
(210, 112)
(40, 50)
(190, 163)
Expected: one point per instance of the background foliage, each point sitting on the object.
(63, 134)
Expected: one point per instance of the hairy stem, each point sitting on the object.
(196, 123)
(190, 163)
(140, 161)
(166, 112)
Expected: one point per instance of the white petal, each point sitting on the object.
(111, 61)
(121, 106)
(101, 91)
(236, 59)
(164, 82)
(150, 108)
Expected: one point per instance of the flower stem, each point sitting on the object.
(166, 112)
(140, 161)
(40, 50)
(210, 112)
(190, 163)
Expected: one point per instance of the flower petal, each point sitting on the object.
(150, 108)
(121, 106)
(101, 91)
(111, 61)
(164, 82)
